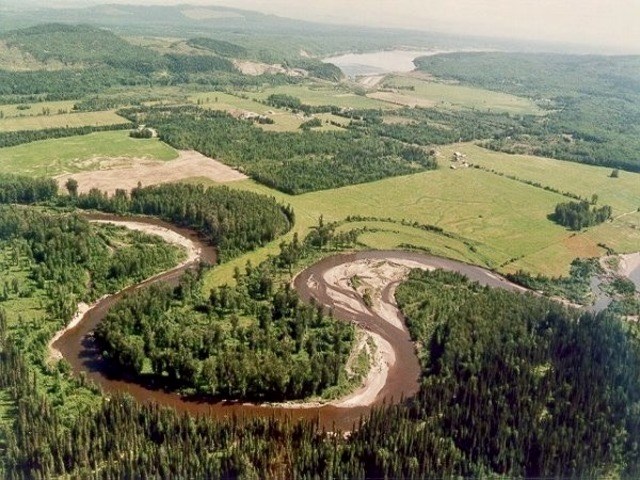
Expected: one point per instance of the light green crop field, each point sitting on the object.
(448, 95)
(504, 220)
(285, 121)
(316, 95)
(622, 194)
(39, 108)
(81, 153)
(227, 102)
(80, 119)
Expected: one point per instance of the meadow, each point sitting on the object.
(81, 153)
(324, 94)
(285, 121)
(450, 95)
(495, 221)
(63, 120)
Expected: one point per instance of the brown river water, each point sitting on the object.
(78, 348)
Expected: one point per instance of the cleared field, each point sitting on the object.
(324, 95)
(39, 108)
(81, 153)
(623, 193)
(127, 174)
(503, 219)
(285, 121)
(41, 122)
(227, 102)
(428, 93)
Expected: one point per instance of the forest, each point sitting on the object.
(234, 221)
(252, 341)
(288, 161)
(592, 102)
(512, 385)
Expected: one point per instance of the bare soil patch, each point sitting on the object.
(112, 174)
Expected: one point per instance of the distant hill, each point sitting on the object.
(83, 45)
(593, 101)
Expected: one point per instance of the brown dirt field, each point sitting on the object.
(399, 99)
(125, 174)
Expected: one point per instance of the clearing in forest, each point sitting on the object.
(80, 153)
(409, 90)
(63, 120)
(153, 172)
(489, 219)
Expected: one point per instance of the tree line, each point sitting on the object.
(291, 162)
(234, 221)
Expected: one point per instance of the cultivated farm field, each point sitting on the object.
(430, 93)
(81, 153)
(64, 120)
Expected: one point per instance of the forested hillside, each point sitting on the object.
(593, 101)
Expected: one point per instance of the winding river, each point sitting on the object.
(329, 283)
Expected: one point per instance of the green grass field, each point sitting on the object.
(505, 220)
(81, 153)
(285, 121)
(39, 108)
(622, 194)
(325, 95)
(447, 95)
(41, 122)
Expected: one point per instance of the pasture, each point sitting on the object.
(64, 120)
(495, 221)
(411, 91)
(321, 94)
(81, 153)
(285, 121)
(33, 109)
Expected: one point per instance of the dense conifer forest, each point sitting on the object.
(252, 341)
(291, 162)
(234, 221)
(512, 385)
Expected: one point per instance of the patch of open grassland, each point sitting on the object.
(64, 120)
(81, 153)
(285, 121)
(503, 219)
(414, 91)
(38, 108)
(324, 95)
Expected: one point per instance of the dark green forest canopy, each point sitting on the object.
(520, 385)
(512, 385)
(235, 221)
(282, 349)
(291, 162)
(593, 101)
